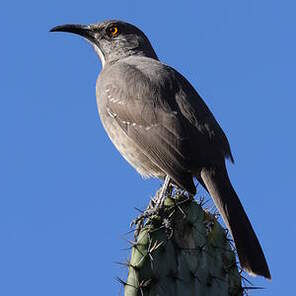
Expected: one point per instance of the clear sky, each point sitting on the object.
(67, 196)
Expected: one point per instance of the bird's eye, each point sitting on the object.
(113, 31)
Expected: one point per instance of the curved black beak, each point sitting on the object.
(81, 30)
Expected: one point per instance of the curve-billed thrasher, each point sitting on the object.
(163, 128)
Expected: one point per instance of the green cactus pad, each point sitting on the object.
(183, 253)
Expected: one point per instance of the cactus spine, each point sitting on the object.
(183, 253)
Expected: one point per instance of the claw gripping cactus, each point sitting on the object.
(183, 253)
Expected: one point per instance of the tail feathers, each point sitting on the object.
(226, 200)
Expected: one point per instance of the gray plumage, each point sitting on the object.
(152, 115)
(162, 127)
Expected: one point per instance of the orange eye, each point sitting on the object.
(113, 31)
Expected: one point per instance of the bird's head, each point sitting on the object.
(112, 39)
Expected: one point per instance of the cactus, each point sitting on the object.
(184, 252)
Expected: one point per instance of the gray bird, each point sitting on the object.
(163, 128)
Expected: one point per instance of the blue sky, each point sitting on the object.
(67, 196)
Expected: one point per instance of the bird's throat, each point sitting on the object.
(100, 54)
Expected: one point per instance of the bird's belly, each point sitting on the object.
(130, 150)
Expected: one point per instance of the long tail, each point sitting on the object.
(248, 247)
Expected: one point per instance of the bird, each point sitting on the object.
(163, 128)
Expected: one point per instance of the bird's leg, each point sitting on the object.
(162, 195)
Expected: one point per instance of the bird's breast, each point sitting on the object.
(125, 145)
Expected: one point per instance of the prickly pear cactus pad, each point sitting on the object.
(185, 252)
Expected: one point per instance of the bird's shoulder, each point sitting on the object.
(138, 87)
(136, 75)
